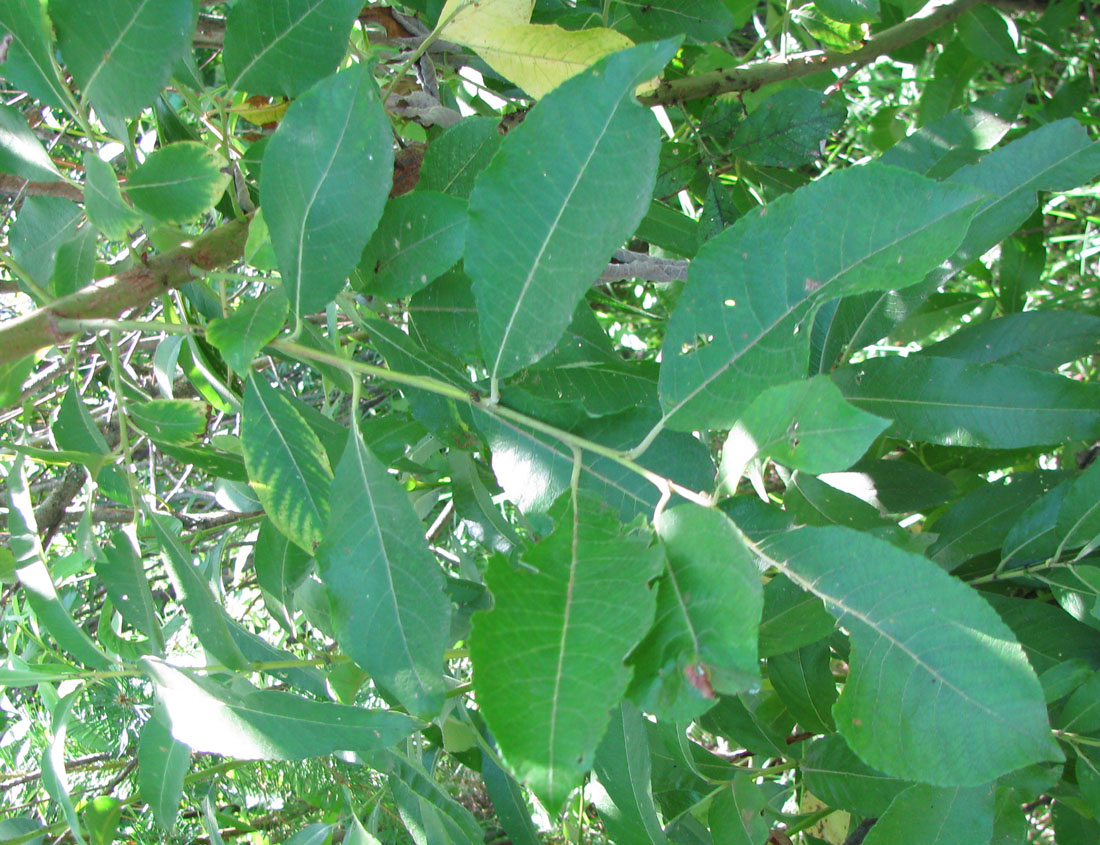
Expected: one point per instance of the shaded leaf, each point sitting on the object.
(838, 777)
(103, 202)
(44, 224)
(703, 20)
(122, 572)
(29, 62)
(1041, 340)
(240, 336)
(984, 32)
(162, 764)
(736, 814)
(21, 153)
(178, 182)
(788, 129)
(623, 767)
(938, 816)
(454, 159)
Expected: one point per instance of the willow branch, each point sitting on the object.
(755, 75)
(134, 288)
(14, 185)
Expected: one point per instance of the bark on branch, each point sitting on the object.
(755, 75)
(111, 296)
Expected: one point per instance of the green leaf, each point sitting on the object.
(103, 202)
(938, 816)
(122, 573)
(1079, 516)
(420, 236)
(565, 165)
(54, 778)
(38, 587)
(792, 618)
(122, 53)
(1041, 340)
(240, 336)
(209, 621)
(21, 152)
(984, 32)
(43, 225)
(385, 589)
(957, 403)
(623, 767)
(178, 422)
(703, 20)
(280, 566)
(742, 323)
(266, 725)
(838, 777)
(75, 263)
(327, 171)
(804, 425)
(849, 11)
(548, 658)
(29, 62)
(804, 681)
(426, 806)
(788, 129)
(282, 47)
(162, 764)
(929, 658)
(286, 464)
(178, 182)
(736, 815)
(703, 640)
(453, 161)
(893, 486)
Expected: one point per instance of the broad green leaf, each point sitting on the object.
(454, 159)
(742, 323)
(103, 202)
(162, 764)
(122, 573)
(623, 767)
(209, 620)
(384, 586)
(548, 658)
(29, 63)
(984, 32)
(178, 182)
(240, 336)
(937, 816)
(43, 225)
(788, 129)
(121, 53)
(420, 236)
(792, 618)
(958, 403)
(893, 486)
(280, 567)
(1079, 517)
(74, 429)
(928, 658)
(179, 422)
(804, 682)
(804, 425)
(810, 501)
(564, 165)
(1033, 535)
(327, 171)
(75, 263)
(21, 153)
(838, 777)
(703, 640)
(849, 11)
(1048, 635)
(286, 464)
(12, 376)
(1041, 340)
(282, 47)
(38, 587)
(445, 311)
(312, 834)
(736, 814)
(267, 725)
(565, 394)
(703, 20)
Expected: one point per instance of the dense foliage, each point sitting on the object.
(530, 421)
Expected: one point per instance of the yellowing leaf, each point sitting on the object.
(261, 114)
(536, 57)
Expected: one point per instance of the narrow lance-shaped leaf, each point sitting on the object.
(566, 188)
(162, 764)
(103, 201)
(389, 610)
(742, 323)
(54, 777)
(122, 572)
(326, 173)
(624, 769)
(269, 725)
(929, 658)
(548, 658)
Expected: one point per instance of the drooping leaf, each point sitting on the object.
(327, 171)
(425, 806)
(175, 421)
(282, 47)
(21, 153)
(420, 236)
(742, 323)
(103, 201)
(623, 767)
(286, 464)
(268, 725)
(736, 814)
(703, 640)
(839, 778)
(958, 403)
(29, 62)
(1078, 521)
(240, 336)
(385, 589)
(804, 681)
(548, 658)
(936, 815)
(804, 425)
(1041, 340)
(530, 270)
(788, 129)
(280, 567)
(923, 645)
(122, 53)
(178, 182)
(162, 764)
(123, 575)
(55, 780)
